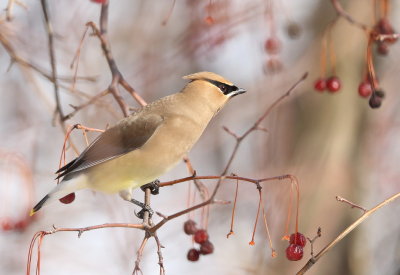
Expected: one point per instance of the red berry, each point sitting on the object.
(21, 225)
(99, 1)
(68, 198)
(189, 227)
(272, 45)
(383, 48)
(193, 255)
(209, 20)
(333, 84)
(7, 225)
(320, 85)
(298, 238)
(200, 236)
(294, 252)
(206, 248)
(365, 89)
(384, 27)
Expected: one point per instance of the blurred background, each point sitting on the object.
(334, 143)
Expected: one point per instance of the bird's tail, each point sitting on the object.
(62, 189)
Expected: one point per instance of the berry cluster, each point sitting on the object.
(332, 84)
(384, 27)
(8, 224)
(294, 252)
(200, 236)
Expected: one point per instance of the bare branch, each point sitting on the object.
(328, 247)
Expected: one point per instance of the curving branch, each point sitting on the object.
(345, 232)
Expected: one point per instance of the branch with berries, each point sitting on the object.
(381, 35)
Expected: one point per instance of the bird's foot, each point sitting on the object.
(145, 208)
(153, 186)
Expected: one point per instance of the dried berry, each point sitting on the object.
(375, 101)
(206, 248)
(189, 227)
(293, 30)
(294, 252)
(273, 66)
(193, 255)
(200, 236)
(298, 238)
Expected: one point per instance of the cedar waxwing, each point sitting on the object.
(142, 147)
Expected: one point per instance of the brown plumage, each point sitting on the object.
(148, 143)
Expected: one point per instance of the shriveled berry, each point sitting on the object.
(298, 238)
(68, 198)
(293, 30)
(189, 227)
(380, 94)
(273, 45)
(375, 101)
(273, 66)
(294, 252)
(200, 236)
(206, 248)
(383, 48)
(333, 84)
(365, 89)
(193, 255)
(320, 85)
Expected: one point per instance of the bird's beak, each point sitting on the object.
(238, 92)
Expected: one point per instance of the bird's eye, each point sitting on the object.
(223, 88)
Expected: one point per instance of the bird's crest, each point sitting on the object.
(207, 76)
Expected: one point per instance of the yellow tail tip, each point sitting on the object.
(32, 213)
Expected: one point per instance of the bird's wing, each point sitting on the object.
(128, 135)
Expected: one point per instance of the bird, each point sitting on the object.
(140, 148)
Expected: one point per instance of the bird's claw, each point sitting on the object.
(153, 186)
(146, 208)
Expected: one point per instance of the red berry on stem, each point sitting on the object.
(189, 227)
(333, 84)
(294, 252)
(209, 20)
(320, 85)
(298, 238)
(193, 255)
(272, 45)
(7, 225)
(365, 89)
(68, 198)
(206, 248)
(200, 236)
(21, 225)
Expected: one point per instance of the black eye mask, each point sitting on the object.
(225, 88)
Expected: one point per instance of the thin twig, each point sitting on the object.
(49, 29)
(353, 205)
(328, 247)
(341, 12)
